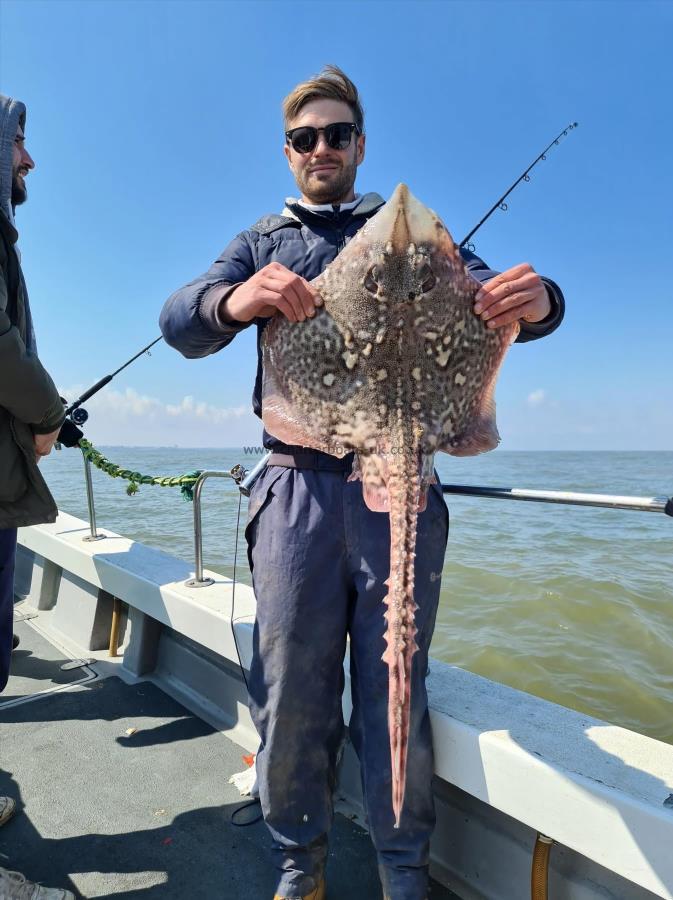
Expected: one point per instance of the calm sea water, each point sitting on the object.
(574, 605)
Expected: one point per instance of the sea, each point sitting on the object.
(571, 604)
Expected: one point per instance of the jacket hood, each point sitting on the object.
(12, 114)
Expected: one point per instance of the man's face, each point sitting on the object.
(325, 175)
(21, 166)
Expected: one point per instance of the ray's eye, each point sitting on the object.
(371, 281)
(426, 277)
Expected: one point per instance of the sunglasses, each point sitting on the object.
(337, 136)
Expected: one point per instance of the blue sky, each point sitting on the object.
(157, 134)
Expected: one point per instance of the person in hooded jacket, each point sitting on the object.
(31, 415)
(319, 557)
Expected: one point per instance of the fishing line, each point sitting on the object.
(233, 594)
(255, 801)
(239, 809)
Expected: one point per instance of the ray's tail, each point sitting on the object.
(404, 491)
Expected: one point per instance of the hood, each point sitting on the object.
(12, 114)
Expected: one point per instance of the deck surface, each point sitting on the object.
(148, 814)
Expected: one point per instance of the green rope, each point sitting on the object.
(184, 482)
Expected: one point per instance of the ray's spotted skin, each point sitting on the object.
(395, 366)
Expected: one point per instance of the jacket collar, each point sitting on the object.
(296, 215)
(7, 229)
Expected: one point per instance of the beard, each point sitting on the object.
(331, 189)
(19, 190)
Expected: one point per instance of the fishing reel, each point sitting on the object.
(70, 434)
(79, 416)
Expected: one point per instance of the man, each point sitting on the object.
(31, 414)
(319, 556)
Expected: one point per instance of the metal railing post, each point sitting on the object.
(245, 480)
(94, 536)
(198, 580)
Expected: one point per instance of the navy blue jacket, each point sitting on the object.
(306, 243)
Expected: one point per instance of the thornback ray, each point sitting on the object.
(394, 366)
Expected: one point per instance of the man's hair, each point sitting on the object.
(332, 84)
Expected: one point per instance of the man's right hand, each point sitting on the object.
(271, 290)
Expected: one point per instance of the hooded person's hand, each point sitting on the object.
(44, 442)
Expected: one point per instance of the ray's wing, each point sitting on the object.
(310, 396)
(457, 369)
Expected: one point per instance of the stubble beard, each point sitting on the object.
(19, 190)
(330, 190)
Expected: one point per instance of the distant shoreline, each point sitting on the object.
(262, 450)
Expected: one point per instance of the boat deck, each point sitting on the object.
(123, 792)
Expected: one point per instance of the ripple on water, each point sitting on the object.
(571, 604)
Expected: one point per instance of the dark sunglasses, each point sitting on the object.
(337, 136)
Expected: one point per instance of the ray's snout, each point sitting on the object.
(390, 225)
(404, 220)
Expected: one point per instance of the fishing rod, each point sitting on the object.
(500, 204)
(76, 415)
(80, 418)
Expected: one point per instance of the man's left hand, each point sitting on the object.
(518, 293)
(43, 443)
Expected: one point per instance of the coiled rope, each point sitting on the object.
(184, 482)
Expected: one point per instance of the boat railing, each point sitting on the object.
(245, 479)
(198, 580)
(93, 535)
(569, 498)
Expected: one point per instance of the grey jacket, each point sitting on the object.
(29, 401)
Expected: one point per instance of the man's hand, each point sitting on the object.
(271, 290)
(518, 293)
(43, 443)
